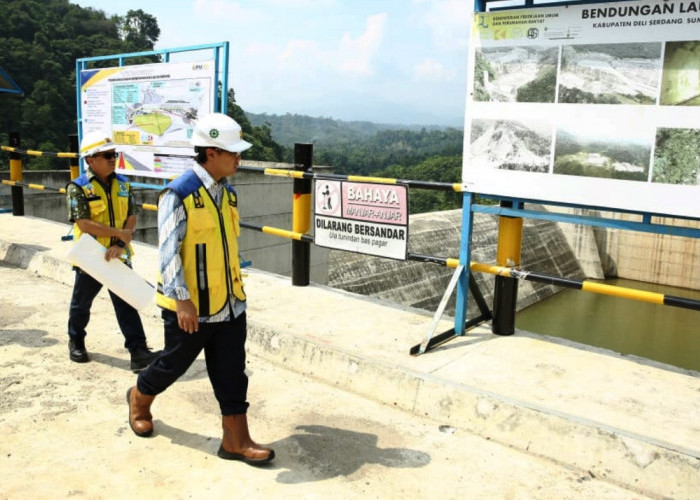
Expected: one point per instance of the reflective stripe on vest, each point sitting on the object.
(209, 251)
(109, 210)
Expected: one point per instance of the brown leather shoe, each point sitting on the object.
(237, 444)
(140, 418)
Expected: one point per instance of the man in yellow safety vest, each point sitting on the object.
(100, 203)
(201, 289)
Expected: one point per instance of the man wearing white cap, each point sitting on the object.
(201, 289)
(100, 203)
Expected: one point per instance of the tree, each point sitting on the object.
(138, 29)
(40, 41)
(437, 169)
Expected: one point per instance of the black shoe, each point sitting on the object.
(141, 357)
(77, 351)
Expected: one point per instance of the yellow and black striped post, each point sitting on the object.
(301, 215)
(16, 175)
(505, 292)
(74, 162)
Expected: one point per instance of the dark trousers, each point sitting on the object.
(85, 290)
(224, 354)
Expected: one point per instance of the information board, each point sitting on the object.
(364, 218)
(594, 105)
(150, 110)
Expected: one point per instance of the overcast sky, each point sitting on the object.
(387, 61)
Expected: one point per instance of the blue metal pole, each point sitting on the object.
(79, 66)
(462, 300)
(224, 78)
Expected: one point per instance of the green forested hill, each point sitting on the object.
(360, 148)
(290, 128)
(381, 150)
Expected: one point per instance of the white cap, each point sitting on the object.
(219, 131)
(95, 142)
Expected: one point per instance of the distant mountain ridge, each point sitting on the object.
(290, 128)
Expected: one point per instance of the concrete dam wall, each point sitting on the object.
(648, 257)
(416, 284)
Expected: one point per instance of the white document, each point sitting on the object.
(89, 256)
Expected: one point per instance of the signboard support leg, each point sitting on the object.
(464, 282)
(459, 271)
(465, 251)
(430, 342)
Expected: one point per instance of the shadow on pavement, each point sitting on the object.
(26, 338)
(319, 452)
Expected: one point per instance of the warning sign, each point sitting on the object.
(363, 218)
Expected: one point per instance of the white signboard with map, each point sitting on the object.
(592, 104)
(150, 110)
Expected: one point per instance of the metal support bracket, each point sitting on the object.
(430, 342)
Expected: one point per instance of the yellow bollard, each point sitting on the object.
(74, 162)
(505, 294)
(301, 215)
(16, 176)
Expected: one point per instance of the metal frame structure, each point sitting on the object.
(221, 56)
(515, 208)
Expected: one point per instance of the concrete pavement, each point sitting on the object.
(565, 420)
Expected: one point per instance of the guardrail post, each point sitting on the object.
(16, 175)
(74, 162)
(301, 215)
(505, 293)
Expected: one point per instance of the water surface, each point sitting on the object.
(662, 333)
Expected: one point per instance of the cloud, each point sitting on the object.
(449, 21)
(355, 54)
(302, 58)
(431, 70)
(347, 55)
(226, 11)
(300, 3)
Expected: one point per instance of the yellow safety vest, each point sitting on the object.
(108, 208)
(209, 251)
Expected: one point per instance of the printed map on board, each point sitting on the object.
(158, 112)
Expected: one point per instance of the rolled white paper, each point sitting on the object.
(89, 256)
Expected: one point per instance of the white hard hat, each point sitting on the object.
(95, 142)
(219, 131)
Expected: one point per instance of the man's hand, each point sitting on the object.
(187, 316)
(125, 235)
(113, 252)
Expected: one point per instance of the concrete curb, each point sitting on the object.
(617, 455)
